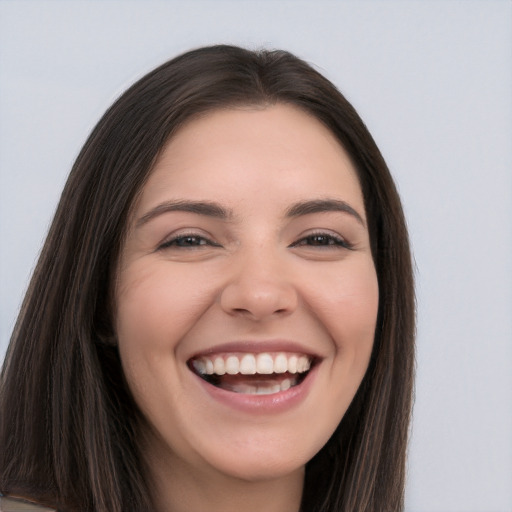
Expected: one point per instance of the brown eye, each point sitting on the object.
(322, 240)
(187, 242)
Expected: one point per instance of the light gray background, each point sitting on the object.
(433, 81)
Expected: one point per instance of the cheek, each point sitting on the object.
(155, 311)
(348, 307)
(157, 306)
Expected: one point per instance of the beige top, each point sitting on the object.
(21, 505)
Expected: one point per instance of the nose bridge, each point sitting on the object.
(259, 284)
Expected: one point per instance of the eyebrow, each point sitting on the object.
(323, 205)
(206, 208)
(211, 209)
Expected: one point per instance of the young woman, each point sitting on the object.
(222, 316)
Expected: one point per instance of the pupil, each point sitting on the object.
(189, 240)
(320, 240)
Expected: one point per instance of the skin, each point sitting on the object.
(256, 275)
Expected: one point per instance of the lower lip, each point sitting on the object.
(261, 404)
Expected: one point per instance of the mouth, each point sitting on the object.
(264, 373)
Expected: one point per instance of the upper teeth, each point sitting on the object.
(250, 364)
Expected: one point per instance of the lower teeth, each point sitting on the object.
(260, 389)
(253, 384)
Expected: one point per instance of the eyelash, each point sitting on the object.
(330, 241)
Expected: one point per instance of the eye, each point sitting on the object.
(187, 241)
(322, 240)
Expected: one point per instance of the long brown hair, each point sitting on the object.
(68, 424)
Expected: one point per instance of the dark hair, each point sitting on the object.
(68, 424)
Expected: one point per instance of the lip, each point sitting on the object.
(259, 404)
(258, 347)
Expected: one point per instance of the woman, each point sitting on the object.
(222, 316)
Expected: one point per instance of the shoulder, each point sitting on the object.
(10, 504)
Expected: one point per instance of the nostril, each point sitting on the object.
(258, 298)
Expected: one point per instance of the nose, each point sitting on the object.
(258, 289)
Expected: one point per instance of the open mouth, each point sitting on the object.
(254, 374)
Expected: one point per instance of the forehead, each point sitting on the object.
(248, 151)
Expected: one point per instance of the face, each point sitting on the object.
(247, 295)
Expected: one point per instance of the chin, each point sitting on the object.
(273, 461)
(264, 470)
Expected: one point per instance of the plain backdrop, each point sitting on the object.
(432, 80)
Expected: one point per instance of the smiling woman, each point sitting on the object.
(277, 302)
(222, 317)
